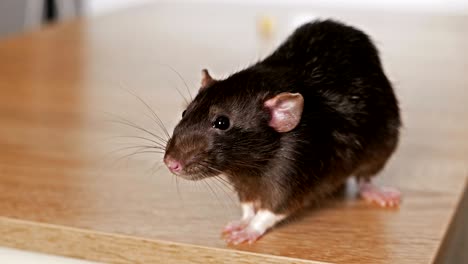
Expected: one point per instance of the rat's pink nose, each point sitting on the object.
(173, 165)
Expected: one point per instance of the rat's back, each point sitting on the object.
(348, 100)
(327, 45)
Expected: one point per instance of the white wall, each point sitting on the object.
(18, 15)
(96, 7)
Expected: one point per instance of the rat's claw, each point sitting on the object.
(384, 196)
(245, 235)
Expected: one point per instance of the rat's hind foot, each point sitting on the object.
(247, 234)
(383, 196)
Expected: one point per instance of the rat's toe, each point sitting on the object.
(235, 226)
(383, 196)
(246, 235)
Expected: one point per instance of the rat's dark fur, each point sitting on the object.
(349, 125)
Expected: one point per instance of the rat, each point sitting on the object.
(292, 128)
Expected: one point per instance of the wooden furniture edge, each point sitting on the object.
(453, 247)
(116, 248)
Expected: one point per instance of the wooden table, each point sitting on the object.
(63, 190)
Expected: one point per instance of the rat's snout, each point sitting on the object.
(183, 154)
(174, 165)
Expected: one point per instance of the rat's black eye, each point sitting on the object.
(183, 113)
(221, 122)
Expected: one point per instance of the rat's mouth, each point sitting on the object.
(190, 166)
(195, 172)
(191, 177)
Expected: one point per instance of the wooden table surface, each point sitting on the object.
(66, 189)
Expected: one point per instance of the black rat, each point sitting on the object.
(292, 128)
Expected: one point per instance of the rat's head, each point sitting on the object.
(231, 130)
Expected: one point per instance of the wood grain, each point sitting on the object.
(63, 190)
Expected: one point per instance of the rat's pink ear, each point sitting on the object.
(207, 80)
(286, 110)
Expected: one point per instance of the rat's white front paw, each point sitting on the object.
(235, 226)
(260, 223)
(244, 235)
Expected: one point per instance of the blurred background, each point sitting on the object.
(23, 15)
(17, 16)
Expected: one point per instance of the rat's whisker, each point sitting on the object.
(140, 147)
(206, 164)
(159, 127)
(153, 170)
(222, 189)
(155, 116)
(218, 178)
(137, 153)
(180, 93)
(156, 146)
(224, 181)
(180, 76)
(153, 166)
(126, 122)
(177, 185)
(138, 128)
(213, 192)
(142, 138)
